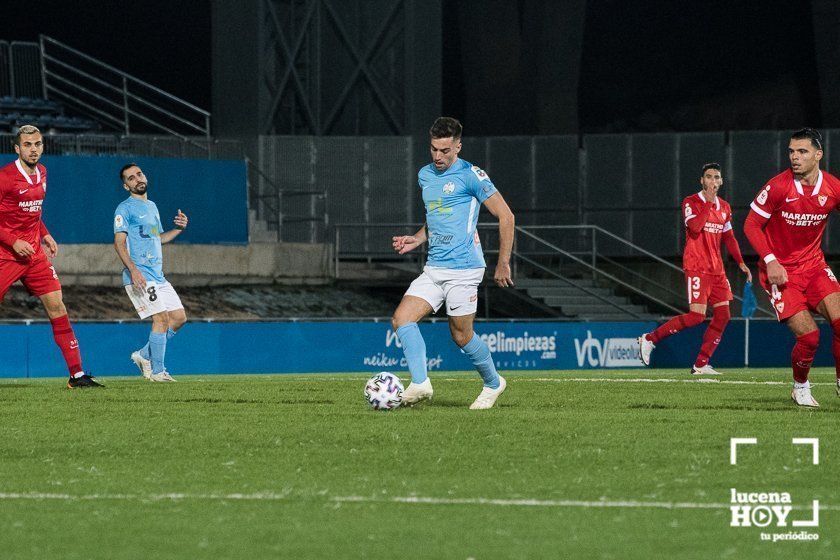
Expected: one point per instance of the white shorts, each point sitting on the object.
(457, 287)
(157, 298)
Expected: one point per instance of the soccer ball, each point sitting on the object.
(384, 391)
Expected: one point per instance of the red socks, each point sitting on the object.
(675, 325)
(713, 334)
(803, 355)
(67, 343)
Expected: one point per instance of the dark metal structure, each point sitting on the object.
(326, 67)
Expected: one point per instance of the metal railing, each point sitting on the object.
(113, 97)
(595, 271)
(654, 275)
(560, 253)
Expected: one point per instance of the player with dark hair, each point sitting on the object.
(785, 227)
(452, 191)
(26, 246)
(708, 221)
(138, 235)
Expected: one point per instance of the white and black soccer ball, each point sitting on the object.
(384, 391)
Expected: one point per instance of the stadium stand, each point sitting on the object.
(349, 196)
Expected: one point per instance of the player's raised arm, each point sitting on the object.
(696, 215)
(498, 207)
(180, 222)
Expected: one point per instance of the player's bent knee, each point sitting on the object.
(177, 319)
(161, 320)
(461, 338)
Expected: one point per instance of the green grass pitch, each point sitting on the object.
(571, 464)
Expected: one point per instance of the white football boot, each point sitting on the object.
(416, 392)
(645, 348)
(162, 377)
(801, 395)
(144, 365)
(837, 387)
(487, 397)
(705, 370)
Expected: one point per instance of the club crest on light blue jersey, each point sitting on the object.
(453, 199)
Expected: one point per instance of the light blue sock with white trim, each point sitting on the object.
(414, 348)
(157, 351)
(481, 358)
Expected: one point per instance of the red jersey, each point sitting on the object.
(796, 218)
(702, 241)
(21, 197)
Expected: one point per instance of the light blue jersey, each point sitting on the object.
(141, 221)
(453, 199)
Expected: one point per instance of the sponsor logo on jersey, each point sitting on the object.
(762, 196)
(449, 188)
(437, 206)
(32, 206)
(712, 227)
(803, 219)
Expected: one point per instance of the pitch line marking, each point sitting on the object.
(415, 500)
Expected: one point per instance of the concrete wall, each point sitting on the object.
(202, 265)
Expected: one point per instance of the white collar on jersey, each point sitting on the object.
(703, 198)
(816, 187)
(26, 175)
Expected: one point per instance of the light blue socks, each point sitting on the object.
(144, 352)
(414, 348)
(157, 351)
(479, 354)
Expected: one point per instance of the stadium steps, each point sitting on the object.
(583, 301)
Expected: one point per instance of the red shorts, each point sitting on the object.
(803, 291)
(707, 288)
(38, 275)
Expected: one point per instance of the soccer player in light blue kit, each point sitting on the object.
(138, 235)
(453, 191)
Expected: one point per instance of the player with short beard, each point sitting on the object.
(26, 246)
(138, 235)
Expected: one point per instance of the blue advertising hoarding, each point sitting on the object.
(305, 347)
(84, 191)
